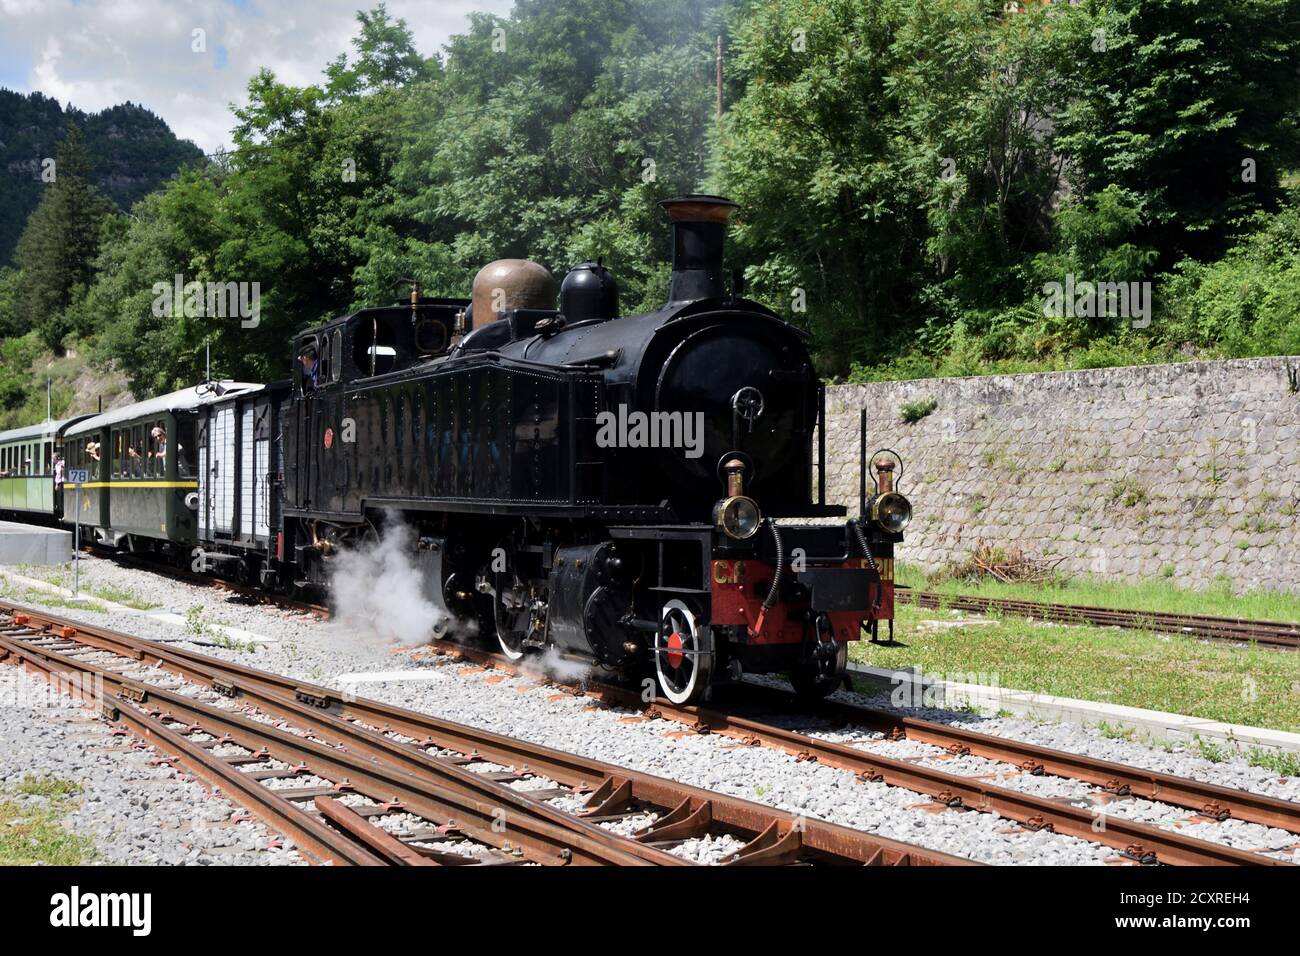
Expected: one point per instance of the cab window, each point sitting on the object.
(309, 370)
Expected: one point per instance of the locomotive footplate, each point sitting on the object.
(839, 589)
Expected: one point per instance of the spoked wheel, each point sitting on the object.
(683, 655)
(813, 680)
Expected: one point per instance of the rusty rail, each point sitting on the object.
(364, 728)
(1137, 841)
(1279, 635)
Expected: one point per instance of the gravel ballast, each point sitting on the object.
(320, 652)
(135, 810)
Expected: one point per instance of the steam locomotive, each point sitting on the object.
(632, 491)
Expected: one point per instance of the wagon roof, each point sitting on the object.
(43, 430)
(185, 400)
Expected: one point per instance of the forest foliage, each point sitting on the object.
(912, 175)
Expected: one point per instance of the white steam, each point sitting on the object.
(552, 664)
(379, 592)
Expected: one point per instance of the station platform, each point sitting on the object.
(30, 544)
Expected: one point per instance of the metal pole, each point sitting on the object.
(862, 464)
(48, 383)
(76, 547)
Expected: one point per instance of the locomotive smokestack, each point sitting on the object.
(699, 231)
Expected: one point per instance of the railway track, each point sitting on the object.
(250, 593)
(364, 783)
(1282, 635)
(1135, 841)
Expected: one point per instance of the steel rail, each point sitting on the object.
(1281, 635)
(1139, 841)
(277, 812)
(774, 836)
(306, 707)
(1209, 799)
(537, 840)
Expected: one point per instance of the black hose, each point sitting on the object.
(772, 595)
(871, 559)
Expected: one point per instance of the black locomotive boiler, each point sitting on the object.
(614, 488)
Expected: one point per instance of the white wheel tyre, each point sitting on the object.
(512, 653)
(683, 655)
(511, 642)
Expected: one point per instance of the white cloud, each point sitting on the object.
(97, 53)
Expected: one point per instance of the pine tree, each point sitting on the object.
(57, 249)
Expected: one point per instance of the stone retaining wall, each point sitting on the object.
(1188, 471)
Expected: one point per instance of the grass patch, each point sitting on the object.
(1284, 763)
(912, 412)
(1249, 686)
(1158, 594)
(47, 786)
(33, 832)
(124, 596)
(62, 576)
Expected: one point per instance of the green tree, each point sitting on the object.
(9, 321)
(57, 249)
(1188, 106)
(893, 163)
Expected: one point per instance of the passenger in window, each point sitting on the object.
(310, 369)
(92, 449)
(58, 471)
(159, 451)
(136, 469)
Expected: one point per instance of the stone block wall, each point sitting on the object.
(1188, 471)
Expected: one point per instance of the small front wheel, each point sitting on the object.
(683, 655)
(813, 679)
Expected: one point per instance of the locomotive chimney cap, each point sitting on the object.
(699, 208)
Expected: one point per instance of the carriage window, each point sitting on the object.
(158, 450)
(136, 452)
(48, 458)
(187, 454)
(337, 354)
(115, 464)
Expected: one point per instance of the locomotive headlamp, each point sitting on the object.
(736, 515)
(889, 509)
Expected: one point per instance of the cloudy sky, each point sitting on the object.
(95, 53)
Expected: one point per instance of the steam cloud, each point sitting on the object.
(379, 592)
(550, 663)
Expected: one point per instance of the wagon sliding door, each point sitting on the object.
(255, 470)
(217, 471)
